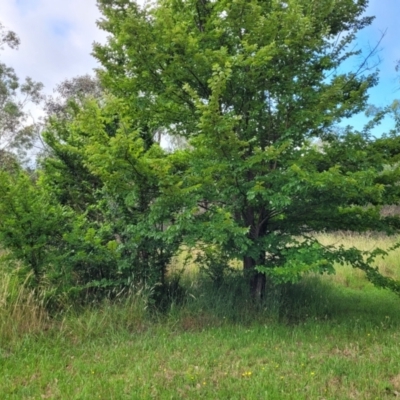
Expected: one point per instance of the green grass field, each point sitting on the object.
(333, 337)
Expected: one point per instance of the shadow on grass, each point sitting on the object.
(318, 299)
(199, 304)
(313, 299)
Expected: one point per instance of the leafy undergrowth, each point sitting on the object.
(321, 339)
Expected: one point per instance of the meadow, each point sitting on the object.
(328, 337)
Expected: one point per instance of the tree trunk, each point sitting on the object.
(257, 228)
(257, 279)
(258, 286)
(248, 264)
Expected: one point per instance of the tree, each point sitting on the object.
(16, 133)
(81, 224)
(103, 169)
(66, 175)
(251, 85)
(32, 225)
(72, 91)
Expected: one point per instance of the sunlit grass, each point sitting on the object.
(346, 275)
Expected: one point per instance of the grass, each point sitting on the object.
(354, 358)
(388, 266)
(21, 310)
(331, 338)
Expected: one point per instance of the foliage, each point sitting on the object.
(31, 226)
(214, 262)
(209, 346)
(100, 166)
(252, 86)
(255, 91)
(65, 253)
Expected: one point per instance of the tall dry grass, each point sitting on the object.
(348, 276)
(389, 265)
(22, 309)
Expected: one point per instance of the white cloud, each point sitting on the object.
(56, 38)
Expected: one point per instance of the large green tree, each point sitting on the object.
(252, 85)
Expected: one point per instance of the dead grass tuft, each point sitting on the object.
(395, 381)
(21, 309)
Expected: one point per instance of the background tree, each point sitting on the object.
(17, 132)
(72, 92)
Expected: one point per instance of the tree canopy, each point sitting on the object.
(252, 85)
(257, 91)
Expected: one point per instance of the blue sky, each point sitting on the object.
(387, 13)
(57, 37)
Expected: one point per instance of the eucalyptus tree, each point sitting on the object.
(18, 132)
